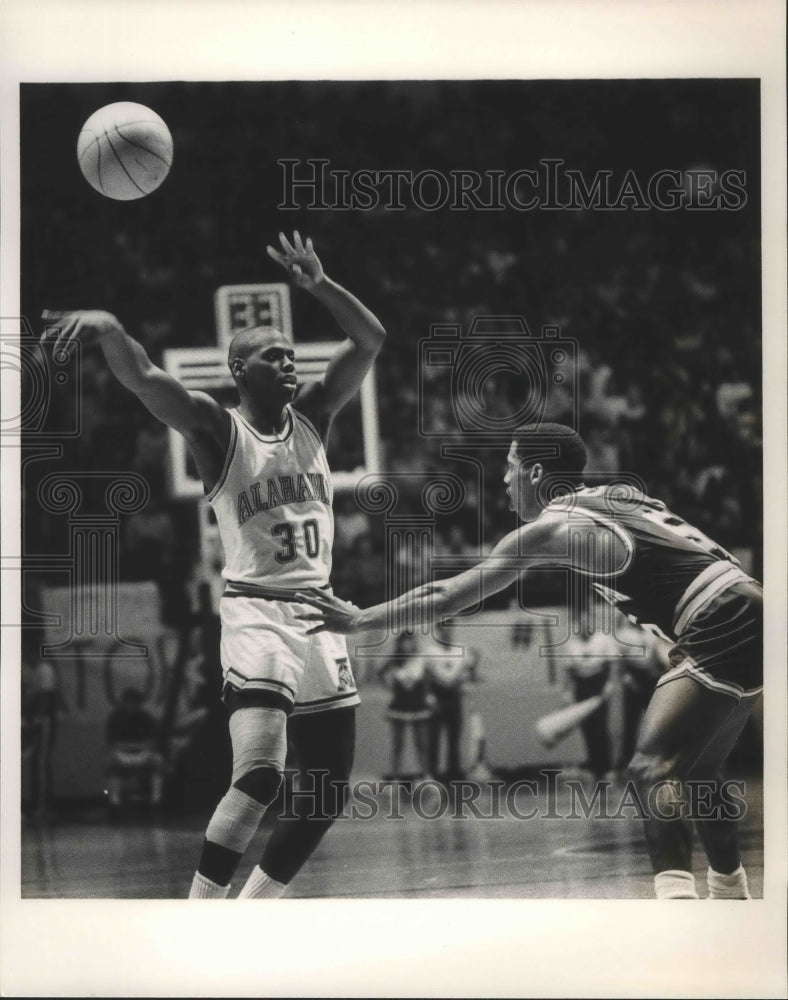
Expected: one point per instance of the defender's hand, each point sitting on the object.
(88, 326)
(333, 614)
(301, 262)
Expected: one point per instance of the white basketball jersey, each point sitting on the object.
(273, 505)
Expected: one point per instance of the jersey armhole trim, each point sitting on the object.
(621, 534)
(304, 419)
(211, 495)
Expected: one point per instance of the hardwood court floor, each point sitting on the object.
(560, 853)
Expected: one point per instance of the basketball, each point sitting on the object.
(125, 150)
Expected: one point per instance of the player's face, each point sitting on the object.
(519, 487)
(270, 373)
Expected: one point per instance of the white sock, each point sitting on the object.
(203, 888)
(733, 886)
(675, 884)
(261, 886)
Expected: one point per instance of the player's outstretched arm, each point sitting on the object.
(535, 543)
(353, 358)
(188, 412)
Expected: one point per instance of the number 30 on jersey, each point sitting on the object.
(285, 532)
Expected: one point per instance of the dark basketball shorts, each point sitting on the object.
(721, 646)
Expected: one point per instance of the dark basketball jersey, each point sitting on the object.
(672, 568)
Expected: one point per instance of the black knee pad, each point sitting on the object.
(260, 784)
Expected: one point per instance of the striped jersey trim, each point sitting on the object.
(704, 588)
(325, 704)
(228, 459)
(688, 668)
(623, 536)
(309, 424)
(250, 683)
(269, 438)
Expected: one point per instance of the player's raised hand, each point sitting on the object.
(299, 260)
(87, 326)
(332, 614)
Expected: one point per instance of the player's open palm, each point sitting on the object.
(87, 326)
(331, 613)
(299, 260)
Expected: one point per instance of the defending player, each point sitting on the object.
(659, 570)
(264, 470)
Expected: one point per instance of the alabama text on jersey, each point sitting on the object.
(273, 505)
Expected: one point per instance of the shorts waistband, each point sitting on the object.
(235, 589)
(712, 581)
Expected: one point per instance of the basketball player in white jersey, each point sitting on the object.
(264, 470)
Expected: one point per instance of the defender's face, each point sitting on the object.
(521, 486)
(269, 371)
(512, 479)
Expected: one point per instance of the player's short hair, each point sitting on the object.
(571, 454)
(246, 340)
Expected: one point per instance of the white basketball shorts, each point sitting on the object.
(265, 650)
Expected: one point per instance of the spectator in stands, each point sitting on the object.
(42, 704)
(200, 753)
(411, 704)
(131, 734)
(589, 669)
(447, 677)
